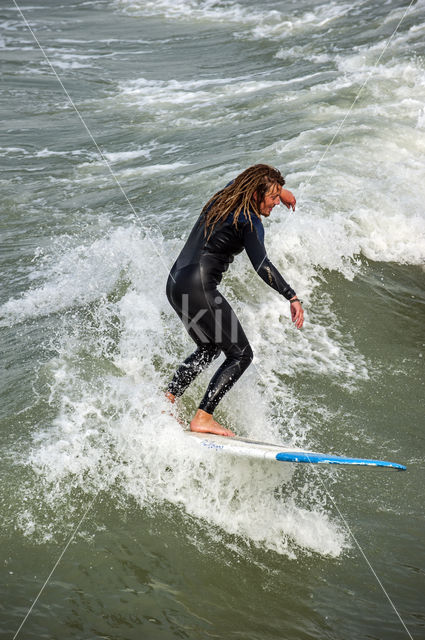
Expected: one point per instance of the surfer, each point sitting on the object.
(229, 223)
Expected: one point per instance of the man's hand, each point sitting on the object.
(297, 313)
(288, 199)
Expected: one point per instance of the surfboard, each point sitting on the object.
(281, 453)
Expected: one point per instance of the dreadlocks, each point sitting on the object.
(244, 194)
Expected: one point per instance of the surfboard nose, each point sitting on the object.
(321, 458)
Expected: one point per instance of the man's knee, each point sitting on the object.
(242, 355)
(247, 357)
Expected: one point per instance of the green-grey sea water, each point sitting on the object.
(113, 526)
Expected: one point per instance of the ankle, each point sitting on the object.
(171, 397)
(202, 415)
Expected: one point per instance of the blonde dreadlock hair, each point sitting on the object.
(238, 197)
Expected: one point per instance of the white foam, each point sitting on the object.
(304, 52)
(289, 26)
(203, 10)
(364, 194)
(144, 454)
(262, 24)
(72, 64)
(159, 93)
(46, 153)
(124, 156)
(109, 432)
(153, 169)
(195, 102)
(102, 259)
(88, 172)
(12, 150)
(420, 124)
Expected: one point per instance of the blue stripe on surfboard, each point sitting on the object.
(321, 458)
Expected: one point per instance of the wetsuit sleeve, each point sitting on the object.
(253, 240)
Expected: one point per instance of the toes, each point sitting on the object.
(227, 432)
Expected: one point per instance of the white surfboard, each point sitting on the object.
(280, 453)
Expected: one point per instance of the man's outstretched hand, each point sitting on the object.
(297, 314)
(288, 199)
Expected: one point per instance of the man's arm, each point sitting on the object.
(254, 246)
(288, 199)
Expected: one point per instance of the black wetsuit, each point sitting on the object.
(206, 314)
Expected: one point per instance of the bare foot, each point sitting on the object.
(172, 399)
(203, 422)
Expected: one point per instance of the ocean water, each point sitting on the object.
(113, 525)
